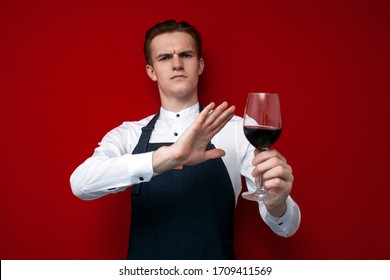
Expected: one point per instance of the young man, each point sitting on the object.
(184, 164)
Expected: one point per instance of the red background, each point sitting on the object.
(72, 70)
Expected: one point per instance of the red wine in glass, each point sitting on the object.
(262, 128)
(262, 137)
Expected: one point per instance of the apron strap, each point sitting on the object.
(145, 136)
(143, 142)
(143, 145)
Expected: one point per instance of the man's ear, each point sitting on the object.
(150, 72)
(200, 66)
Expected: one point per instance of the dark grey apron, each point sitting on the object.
(182, 214)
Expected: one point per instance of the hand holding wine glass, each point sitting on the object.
(262, 127)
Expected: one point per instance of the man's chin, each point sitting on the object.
(182, 91)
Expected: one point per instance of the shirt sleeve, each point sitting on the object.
(285, 225)
(112, 168)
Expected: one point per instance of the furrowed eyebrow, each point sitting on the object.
(162, 55)
(185, 52)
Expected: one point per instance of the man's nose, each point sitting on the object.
(177, 62)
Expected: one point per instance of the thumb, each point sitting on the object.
(214, 153)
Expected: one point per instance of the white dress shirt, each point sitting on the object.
(113, 168)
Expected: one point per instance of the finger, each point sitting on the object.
(273, 168)
(204, 114)
(214, 153)
(223, 120)
(261, 156)
(220, 116)
(215, 113)
(278, 186)
(282, 172)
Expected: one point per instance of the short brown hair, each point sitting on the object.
(168, 27)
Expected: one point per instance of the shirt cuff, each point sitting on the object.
(286, 216)
(287, 224)
(140, 167)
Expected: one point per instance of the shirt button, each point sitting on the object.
(177, 115)
(141, 178)
(175, 134)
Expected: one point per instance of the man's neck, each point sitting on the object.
(176, 105)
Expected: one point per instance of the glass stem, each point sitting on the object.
(260, 184)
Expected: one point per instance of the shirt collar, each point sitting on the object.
(165, 114)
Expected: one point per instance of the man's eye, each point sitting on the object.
(186, 55)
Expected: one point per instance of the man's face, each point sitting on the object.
(176, 66)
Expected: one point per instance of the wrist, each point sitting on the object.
(278, 210)
(164, 159)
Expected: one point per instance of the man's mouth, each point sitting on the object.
(178, 77)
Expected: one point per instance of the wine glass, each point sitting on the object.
(262, 127)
